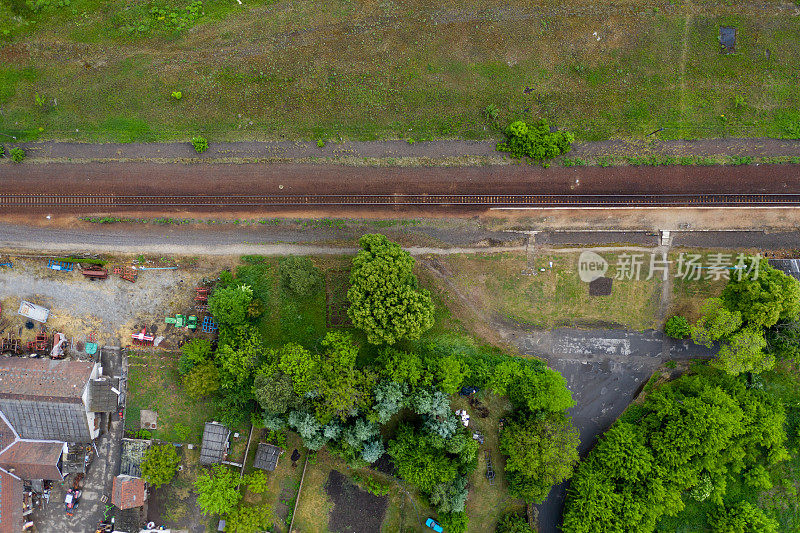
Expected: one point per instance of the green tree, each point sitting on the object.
(531, 386)
(385, 300)
(420, 463)
(402, 367)
(159, 464)
(535, 141)
(677, 327)
(512, 523)
(248, 519)
(256, 481)
(741, 517)
(716, 323)
(450, 373)
(299, 275)
(216, 490)
(300, 365)
(542, 451)
(193, 353)
(763, 296)
(340, 385)
(228, 305)
(274, 390)
(202, 380)
(744, 352)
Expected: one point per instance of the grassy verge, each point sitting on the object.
(550, 294)
(100, 71)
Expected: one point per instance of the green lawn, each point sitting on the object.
(505, 285)
(154, 384)
(101, 71)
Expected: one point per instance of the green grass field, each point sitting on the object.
(101, 71)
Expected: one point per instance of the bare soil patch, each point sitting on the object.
(354, 510)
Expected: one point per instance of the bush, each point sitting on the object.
(200, 144)
(2, 150)
(454, 522)
(193, 353)
(677, 327)
(17, 155)
(535, 141)
(177, 95)
(159, 465)
(257, 482)
(512, 523)
(299, 275)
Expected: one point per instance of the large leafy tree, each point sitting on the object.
(159, 464)
(247, 519)
(699, 427)
(542, 451)
(741, 517)
(340, 386)
(385, 299)
(228, 305)
(532, 386)
(763, 296)
(216, 490)
(419, 462)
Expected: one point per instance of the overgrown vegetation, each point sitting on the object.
(535, 141)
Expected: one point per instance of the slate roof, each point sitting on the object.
(43, 378)
(267, 456)
(33, 459)
(10, 502)
(47, 420)
(102, 399)
(215, 443)
(132, 456)
(127, 492)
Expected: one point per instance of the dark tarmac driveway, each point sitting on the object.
(605, 370)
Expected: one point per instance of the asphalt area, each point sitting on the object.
(354, 510)
(605, 370)
(172, 179)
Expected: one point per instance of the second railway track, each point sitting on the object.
(32, 200)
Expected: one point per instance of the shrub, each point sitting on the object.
(193, 353)
(2, 150)
(257, 482)
(512, 523)
(535, 141)
(160, 464)
(200, 144)
(320, 143)
(177, 95)
(454, 522)
(677, 327)
(17, 155)
(738, 160)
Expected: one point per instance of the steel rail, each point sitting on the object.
(477, 200)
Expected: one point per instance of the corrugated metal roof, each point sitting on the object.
(215, 443)
(267, 456)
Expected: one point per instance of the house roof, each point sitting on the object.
(22, 378)
(267, 456)
(215, 443)
(33, 459)
(102, 398)
(132, 456)
(128, 492)
(47, 420)
(10, 502)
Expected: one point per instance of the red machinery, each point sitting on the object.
(142, 338)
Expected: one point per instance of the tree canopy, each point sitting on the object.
(159, 464)
(385, 299)
(701, 426)
(216, 490)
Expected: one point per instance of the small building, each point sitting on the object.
(215, 443)
(128, 492)
(33, 311)
(132, 456)
(267, 457)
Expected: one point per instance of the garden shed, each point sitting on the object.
(215, 443)
(267, 457)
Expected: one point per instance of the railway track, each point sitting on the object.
(32, 200)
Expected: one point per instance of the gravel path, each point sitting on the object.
(444, 149)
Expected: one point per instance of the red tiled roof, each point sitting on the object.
(10, 503)
(43, 378)
(33, 459)
(128, 492)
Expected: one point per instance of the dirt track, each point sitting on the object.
(182, 179)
